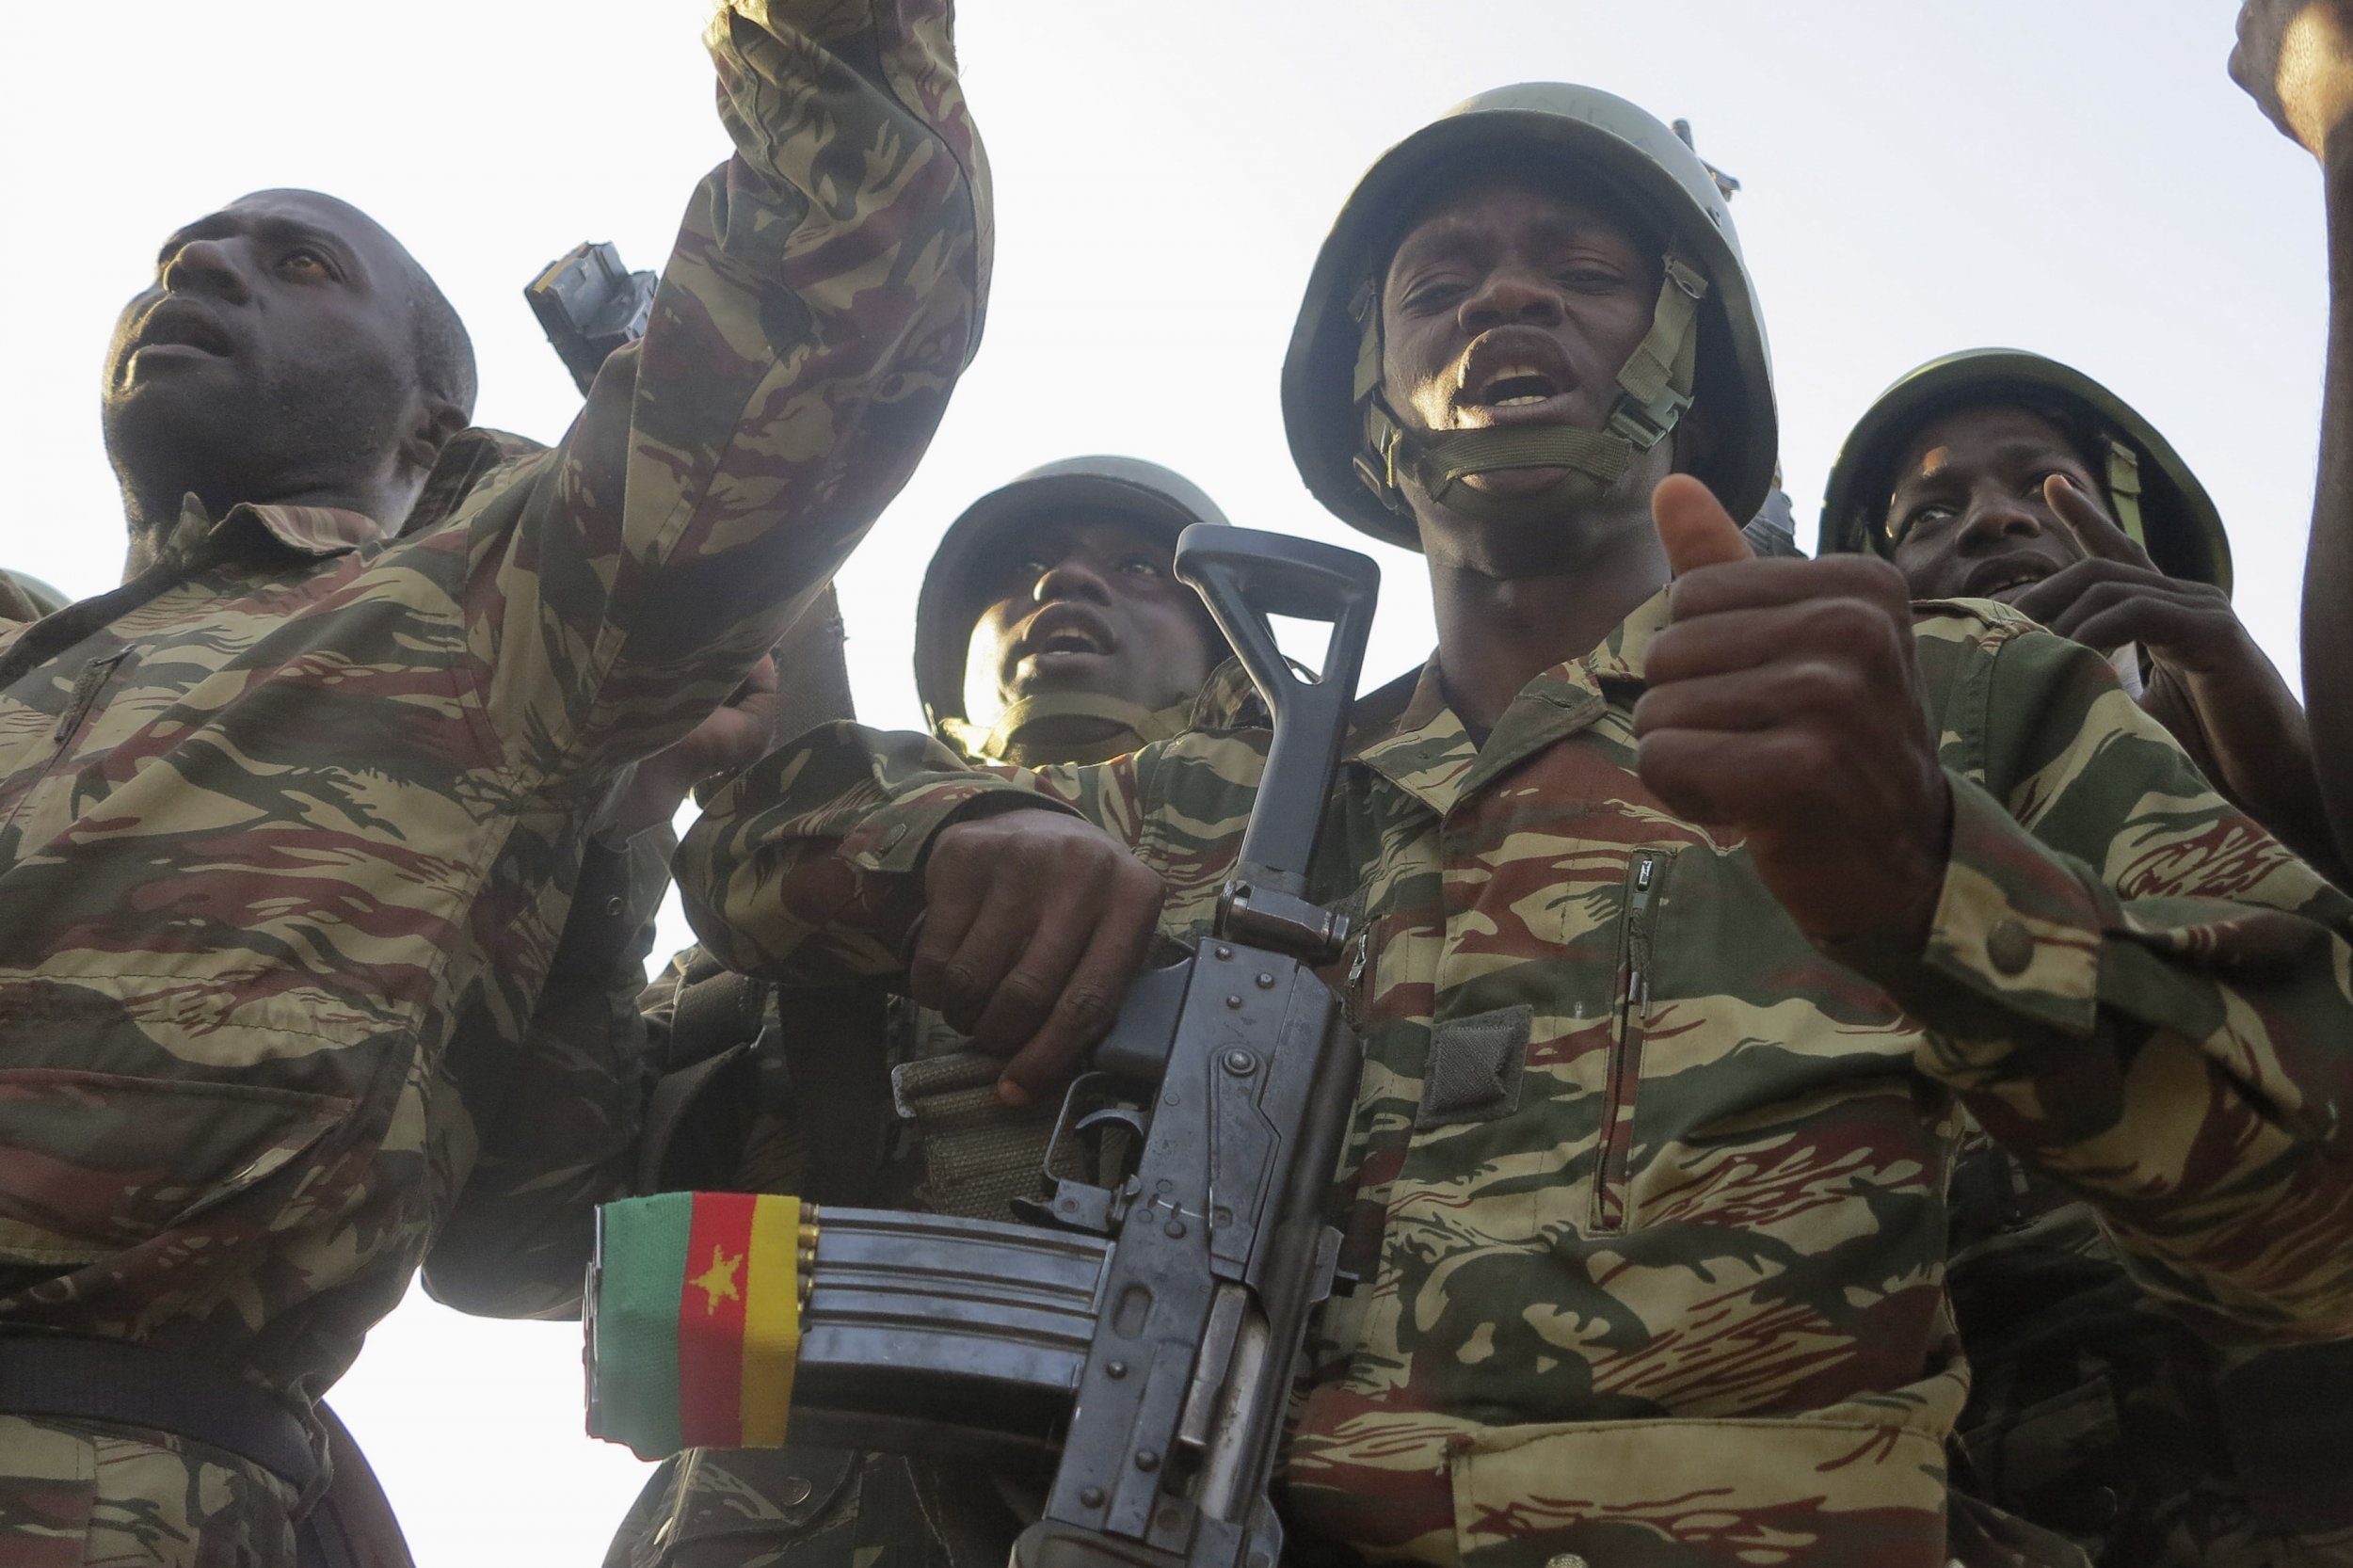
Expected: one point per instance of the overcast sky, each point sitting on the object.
(2073, 176)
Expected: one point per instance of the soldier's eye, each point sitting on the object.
(1139, 566)
(1931, 517)
(305, 262)
(1433, 296)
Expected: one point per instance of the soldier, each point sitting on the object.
(295, 798)
(1056, 592)
(1693, 920)
(1094, 648)
(1999, 475)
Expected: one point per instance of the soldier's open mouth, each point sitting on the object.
(1515, 387)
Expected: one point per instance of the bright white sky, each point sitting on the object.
(2077, 177)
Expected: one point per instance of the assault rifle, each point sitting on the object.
(1144, 1332)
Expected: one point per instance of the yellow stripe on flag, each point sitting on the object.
(772, 1321)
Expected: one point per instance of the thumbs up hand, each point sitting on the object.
(1782, 705)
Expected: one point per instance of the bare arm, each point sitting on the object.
(2329, 569)
(2295, 59)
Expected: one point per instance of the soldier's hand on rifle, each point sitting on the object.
(2295, 59)
(1784, 703)
(1033, 924)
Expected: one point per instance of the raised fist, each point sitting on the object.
(2295, 59)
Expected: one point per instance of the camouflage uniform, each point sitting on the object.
(1648, 1193)
(279, 813)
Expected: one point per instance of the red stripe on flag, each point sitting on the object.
(710, 1321)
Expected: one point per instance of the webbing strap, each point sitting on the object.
(1442, 462)
(2125, 491)
(1146, 724)
(979, 1153)
(1654, 389)
(1656, 385)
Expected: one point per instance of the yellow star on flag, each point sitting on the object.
(717, 1282)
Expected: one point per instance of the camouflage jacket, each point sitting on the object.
(1646, 1191)
(275, 816)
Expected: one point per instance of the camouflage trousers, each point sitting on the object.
(813, 1507)
(79, 1495)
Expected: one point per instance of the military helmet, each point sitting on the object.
(31, 592)
(1707, 343)
(2152, 494)
(949, 605)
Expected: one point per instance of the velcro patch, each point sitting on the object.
(1474, 1067)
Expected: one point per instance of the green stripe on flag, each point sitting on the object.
(644, 1260)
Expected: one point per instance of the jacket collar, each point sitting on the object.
(1428, 753)
(311, 532)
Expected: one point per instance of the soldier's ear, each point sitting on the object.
(435, 420)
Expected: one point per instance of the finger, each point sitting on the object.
(1859, 632)
(1757, 585)
(994, 942)
(1745, 702)
(2172, 631)
(1695, 773)
(2122, 604)
(1018, 1006)
(2048, 600)
(954, 888)
(1767, 780)
(1090, 998)
(1693, 526)
(2094, 530)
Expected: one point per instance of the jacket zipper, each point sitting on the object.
(86, 689)
(1642, 880)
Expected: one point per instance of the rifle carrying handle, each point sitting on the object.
(1246, 575)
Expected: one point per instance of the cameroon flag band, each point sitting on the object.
(695, 1308)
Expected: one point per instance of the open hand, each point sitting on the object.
(1784, 702)
(2295, 59)
(1033, 924)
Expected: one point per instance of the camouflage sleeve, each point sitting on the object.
(563, 1136)
(823, 296)
(2136, 990)
(807, 868)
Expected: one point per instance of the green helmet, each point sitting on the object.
(1707, 342)
(950, 602)
(22, 591)
(2152, 494)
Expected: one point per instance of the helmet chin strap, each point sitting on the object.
(1135, 727)
(1654, 389)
